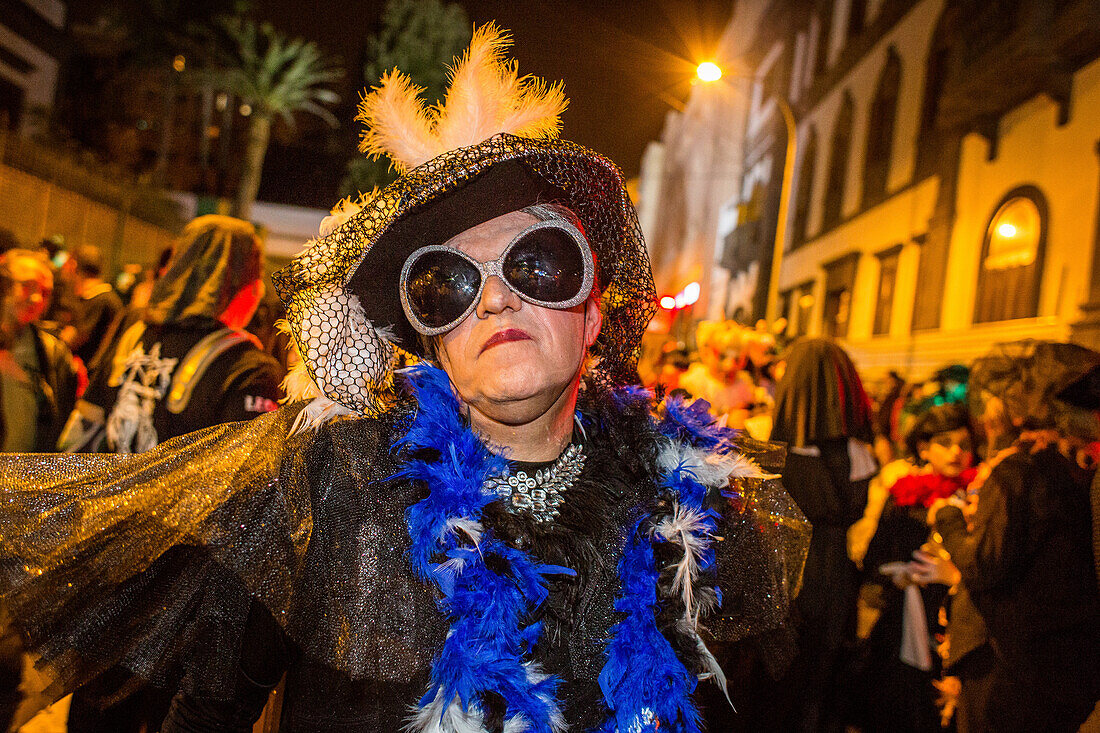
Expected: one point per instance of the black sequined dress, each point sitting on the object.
(161, 562)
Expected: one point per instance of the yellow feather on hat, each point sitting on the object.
(486, 96)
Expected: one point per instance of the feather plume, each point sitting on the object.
(537, 113)
(440, 716)
(317, 413)
(397, 123)
(344, 210)
(474, 103)
(712, 670)
(708, 468)
(687, 527)
(298, 385)
(485, 96)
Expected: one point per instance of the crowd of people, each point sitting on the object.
(67, 336)
(951, 578)
(86, 371)
(509, 533)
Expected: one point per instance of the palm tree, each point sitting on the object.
(274, 76)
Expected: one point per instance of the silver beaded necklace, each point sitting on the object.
(542, 494)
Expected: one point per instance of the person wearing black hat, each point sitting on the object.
(1026, 556)
(505, 536)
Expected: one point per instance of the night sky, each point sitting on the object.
(622, 64)
(617, 58)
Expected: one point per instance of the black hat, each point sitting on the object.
(1084, 391)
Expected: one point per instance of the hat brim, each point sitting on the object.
(1083, 392)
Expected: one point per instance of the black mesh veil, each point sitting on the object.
(351, 359)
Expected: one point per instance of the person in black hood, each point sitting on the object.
(823, 415)
(183, 364)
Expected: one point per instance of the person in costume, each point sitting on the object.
(823, 415)
(505, 537)
(184, 362)
(899, 694)
(1025, 555)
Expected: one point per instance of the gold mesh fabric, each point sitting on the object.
(352, 362)
(149, 561)
(78, 529)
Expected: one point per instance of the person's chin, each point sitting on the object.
(516, 384)
(524, 390)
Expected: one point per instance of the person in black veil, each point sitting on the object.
(508, 536)
(1026, 555)
(824, 416)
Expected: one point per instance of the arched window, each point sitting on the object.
(1011, 266)
(804, 194)
(880, 135)
(838, 165)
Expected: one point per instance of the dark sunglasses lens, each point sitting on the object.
(546, 265)
(440, 286)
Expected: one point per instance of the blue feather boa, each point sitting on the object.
(490, 590)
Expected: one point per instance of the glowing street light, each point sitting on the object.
(708, 71)
(668, 302)
(1006, 230)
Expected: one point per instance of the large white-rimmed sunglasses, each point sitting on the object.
(548, 264)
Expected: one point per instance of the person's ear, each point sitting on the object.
(593, 320)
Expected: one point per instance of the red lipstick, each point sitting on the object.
(504, 336)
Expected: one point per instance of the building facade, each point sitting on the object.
(688, 176)
(936, 208)
(32, 45)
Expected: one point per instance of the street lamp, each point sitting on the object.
(713, 73)
(708, 71)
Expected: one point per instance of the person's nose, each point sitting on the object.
(497, 297)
